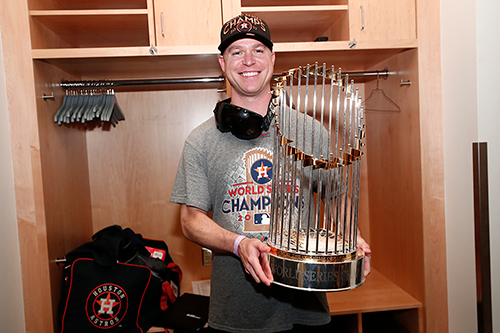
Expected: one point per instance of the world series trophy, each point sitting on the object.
(316, 176)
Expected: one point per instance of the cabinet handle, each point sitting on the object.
(162, 30)
(362, 17)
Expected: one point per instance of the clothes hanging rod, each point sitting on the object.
(123, 83)
(383, 73)
(65, 84)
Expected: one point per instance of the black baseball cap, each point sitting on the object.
(244, 26)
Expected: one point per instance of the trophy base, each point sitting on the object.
(317, 276)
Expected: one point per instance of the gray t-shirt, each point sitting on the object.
(232, 178)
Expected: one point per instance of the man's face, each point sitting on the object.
(248, 65)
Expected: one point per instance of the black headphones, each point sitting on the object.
(242, 123)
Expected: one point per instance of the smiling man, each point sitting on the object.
(247, 61)
(226, 169)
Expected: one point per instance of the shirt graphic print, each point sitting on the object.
(250, 201)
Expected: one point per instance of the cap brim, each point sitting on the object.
(225, 44)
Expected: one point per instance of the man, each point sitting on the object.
(217, 174)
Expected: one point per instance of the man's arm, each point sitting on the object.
(199, 228)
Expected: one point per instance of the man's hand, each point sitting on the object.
(253, 254)
(363, 246)
(201, 229)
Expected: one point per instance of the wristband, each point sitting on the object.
(237, 243)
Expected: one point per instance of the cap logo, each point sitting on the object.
(244, 26)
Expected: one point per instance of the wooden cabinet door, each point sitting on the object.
(382, 19)
(182, 23)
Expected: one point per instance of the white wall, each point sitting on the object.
(488, 98)
(470, 68)
(11, 294)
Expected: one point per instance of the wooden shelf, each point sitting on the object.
(377, 294)
(294, 9)
(88, 4)
(389, 48)
(254, 3)
(362, 57)
(344, 45)
(87, 12)
(196, 61)
(94, 28)
(108, 63)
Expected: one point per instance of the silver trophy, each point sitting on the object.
(315, 194)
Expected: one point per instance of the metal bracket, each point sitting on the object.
(46, 97)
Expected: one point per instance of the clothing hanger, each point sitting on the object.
(380, 101)
(84, 105)
(59, 114)
(72, 102)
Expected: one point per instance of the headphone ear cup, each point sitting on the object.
(221, 120)
(247, 126)
(242, 123)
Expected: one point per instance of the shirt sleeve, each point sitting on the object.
(191, 182)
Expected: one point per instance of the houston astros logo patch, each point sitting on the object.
(107, 305)
(261, 171)
(244, 26)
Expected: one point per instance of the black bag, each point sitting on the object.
(113, 284)
(155, 254)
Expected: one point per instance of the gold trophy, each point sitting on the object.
(317, 153)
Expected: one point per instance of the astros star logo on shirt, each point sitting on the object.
(262, 171)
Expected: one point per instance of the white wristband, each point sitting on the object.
(237, 243)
